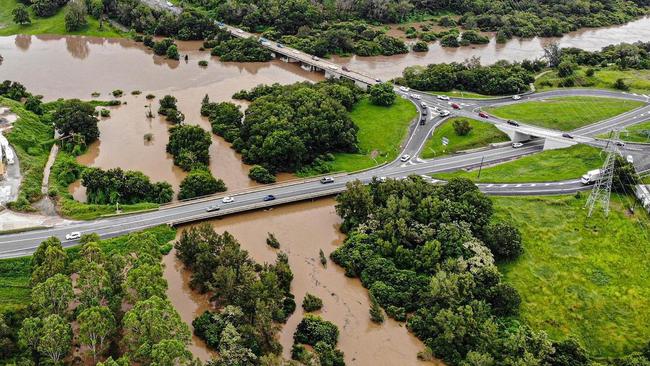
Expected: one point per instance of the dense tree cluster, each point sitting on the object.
(117, 186)
(75, 121)
(241, 50)
(148, 331)
(46, 8)
(288, 127)
(253, 298)
(342, 38)
(13, 90)
(190, 146)
(382, 94)
(499, 79)
(323, 336)
(419, 248)
(200, 182)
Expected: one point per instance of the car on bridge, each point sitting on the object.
(512, 123)
(455, 106)
(483, 115)
(279, 45)
(227, 199)
(326, 180)
(332, 67)
(567, 136)
(517, 145)
(405, 158)
(212, 208)
(442, 97)
(315, 58)
(345, 68)
(73, 235)
(269, 197)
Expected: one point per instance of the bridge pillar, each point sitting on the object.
(514, 135)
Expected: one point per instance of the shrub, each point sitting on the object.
(136, 92)
(311, 303)
(504, 240)
(382, 94)
(462, 127)
(172, 52)
(150, 96)
(117, 93)
(620, 85)
(590, 72)
(200, 182)
(203, 63)
(105, 113)
(313, 329)
(260, 174)
(272, 241)
(420, 46)
(450, 40)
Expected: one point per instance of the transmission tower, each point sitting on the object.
(603, 186)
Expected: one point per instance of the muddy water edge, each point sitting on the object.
(303, 229)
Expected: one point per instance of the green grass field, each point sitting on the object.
(637, 80)
(15, 273)
(566, 113)
(482, 134)
(636, 133)
(545, 166)
(381, 130)
(52, 25)
(582, 277)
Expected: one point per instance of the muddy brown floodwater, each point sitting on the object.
(303, 229)
(75, 67)
(516, 49)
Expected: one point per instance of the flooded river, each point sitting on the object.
(303, 229)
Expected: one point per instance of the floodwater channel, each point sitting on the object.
(303, 229)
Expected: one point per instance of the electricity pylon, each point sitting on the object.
(603, 187)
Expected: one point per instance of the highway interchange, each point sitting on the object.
(24, 243)
(20, 244)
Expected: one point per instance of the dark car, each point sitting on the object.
(424, 111)
(455, 106)
(345, 68)
(269, 197)
(279, 45)
(212, 208)
(620, 144)
(566, 135)
(512, 123)
(423, 121)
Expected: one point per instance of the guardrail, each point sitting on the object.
(255, 206)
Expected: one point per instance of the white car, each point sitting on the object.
(416, 96)
(442, 97)
(516, 97)
(169, 3)
(516, 145)
(240, 31)
(444, 113)
(227, 199)
(405, 158)
(382, 179)
(73, 235)
(332, 67)
(404, 89)
(630, 159)
(296, 52)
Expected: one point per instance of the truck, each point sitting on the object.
(590, 177)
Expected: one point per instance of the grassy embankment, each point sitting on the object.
(32, 139)
(482, 134)
(635, 133)
(637, 80)
(51, 25)
(565, 113)
(381, 131)
(545, 166)
(15, 273)
(582, 277)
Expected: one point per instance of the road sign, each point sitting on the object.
(445, 141)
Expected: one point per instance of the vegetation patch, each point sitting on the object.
(481, 134)
(565, 113)
(545, 166)
(635, 133)
(579, 276)
(381, 132)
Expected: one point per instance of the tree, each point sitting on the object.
(232, 351)
(167, 103)
(29, 333)
(504, 240)
(260, 174)
(568, 353)
(94, 284)
(56, 338)
(200, 182)
(74, 117)
(420, 46)
(96, 324)
(48, 260)
(450, 40)
(382, 94)
(313, 329)
(189, 145)
(34, 104)
(53, 296)
(150, 322)
(46, 8)
(625, 177)
(553, 53)
(75, 17)
(21, 15)
(170, 352)
(145, 281)
(620, 84)
(354, 205)
(172, 52)
(376, 314)
(311, 303)
(565, 68)
(504, 299)
(462, 127)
